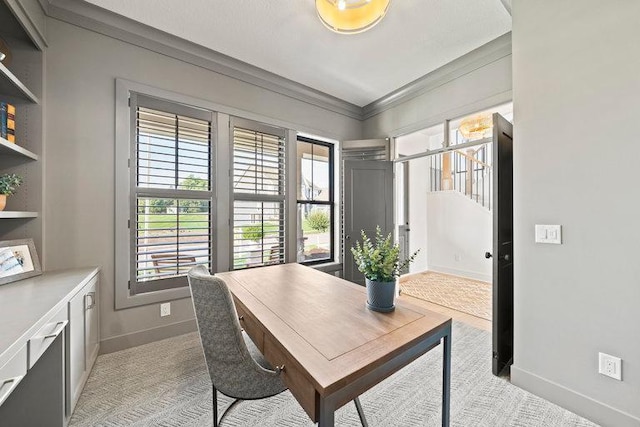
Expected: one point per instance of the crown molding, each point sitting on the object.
(478, 58)
(31, 16)
(102, 21)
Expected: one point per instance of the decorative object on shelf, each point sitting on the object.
(8, 121)
(351, 16)
(9, 183)
(380, 263)
(18, 260)
(5, 53)
(476, 126)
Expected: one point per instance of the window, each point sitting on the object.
(315, 201)
(258, 195)
(171, 197)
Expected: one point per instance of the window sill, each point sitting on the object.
(328, 267)
(130, 301)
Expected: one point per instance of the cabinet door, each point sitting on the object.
(83, 340)
(76, 350)
(91, 323)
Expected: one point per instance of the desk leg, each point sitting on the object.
(446, 378)
(326, 416)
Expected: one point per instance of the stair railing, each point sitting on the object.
(467, 172)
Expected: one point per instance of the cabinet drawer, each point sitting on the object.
(12, 373)
(292, 376)
(251, 327)
(42, 339)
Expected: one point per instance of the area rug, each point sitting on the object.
(459, 293)
(166, 384)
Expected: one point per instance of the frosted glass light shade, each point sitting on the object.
(351, 16)
(476, 126)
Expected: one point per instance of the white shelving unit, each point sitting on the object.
(22, 24)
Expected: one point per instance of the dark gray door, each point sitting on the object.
(502, 244)
(368, 202)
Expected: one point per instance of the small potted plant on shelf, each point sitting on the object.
(9, 183)
(380, 263)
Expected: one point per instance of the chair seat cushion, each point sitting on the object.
(255, 352)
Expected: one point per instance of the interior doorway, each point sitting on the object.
(446, 197)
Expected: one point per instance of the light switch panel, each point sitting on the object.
(549, 234)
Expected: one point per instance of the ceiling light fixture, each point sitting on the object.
(351, 16)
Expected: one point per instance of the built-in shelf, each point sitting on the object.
(10, 149)
(17, 214)
(11, 86)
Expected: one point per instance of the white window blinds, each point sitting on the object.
(171, 197)
(258, 195)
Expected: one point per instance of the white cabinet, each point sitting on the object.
(84, 340)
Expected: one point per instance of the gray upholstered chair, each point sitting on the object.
(236, 366)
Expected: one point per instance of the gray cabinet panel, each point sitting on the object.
(84, 340)
(76, 350)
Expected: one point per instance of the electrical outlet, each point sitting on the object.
(610, 366)
(165, 309)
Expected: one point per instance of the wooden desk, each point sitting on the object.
(333, 348)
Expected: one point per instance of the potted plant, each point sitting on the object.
(9, 183)
(380, 263)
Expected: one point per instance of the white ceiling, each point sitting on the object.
(286, 37)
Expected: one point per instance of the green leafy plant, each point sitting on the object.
(253, 232)
(159, 206)
(380, 260)
(9, 183)
(319, 220)
(191, 182)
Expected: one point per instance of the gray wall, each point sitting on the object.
(81, 68)
(576, 80)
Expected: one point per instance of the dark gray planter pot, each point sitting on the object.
(381, 296)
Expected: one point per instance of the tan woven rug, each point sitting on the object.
(459, 293)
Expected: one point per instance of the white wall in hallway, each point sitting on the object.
(460, 232)
(451, 231)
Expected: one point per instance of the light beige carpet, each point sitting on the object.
(166, 384)
(459, 293)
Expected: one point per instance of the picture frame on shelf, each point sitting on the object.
(18, 260)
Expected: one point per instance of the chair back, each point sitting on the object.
(232, 369)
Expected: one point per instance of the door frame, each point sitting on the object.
(448, 148)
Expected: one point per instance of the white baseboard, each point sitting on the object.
(578, 403)
(462, 273)
(122, 342)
